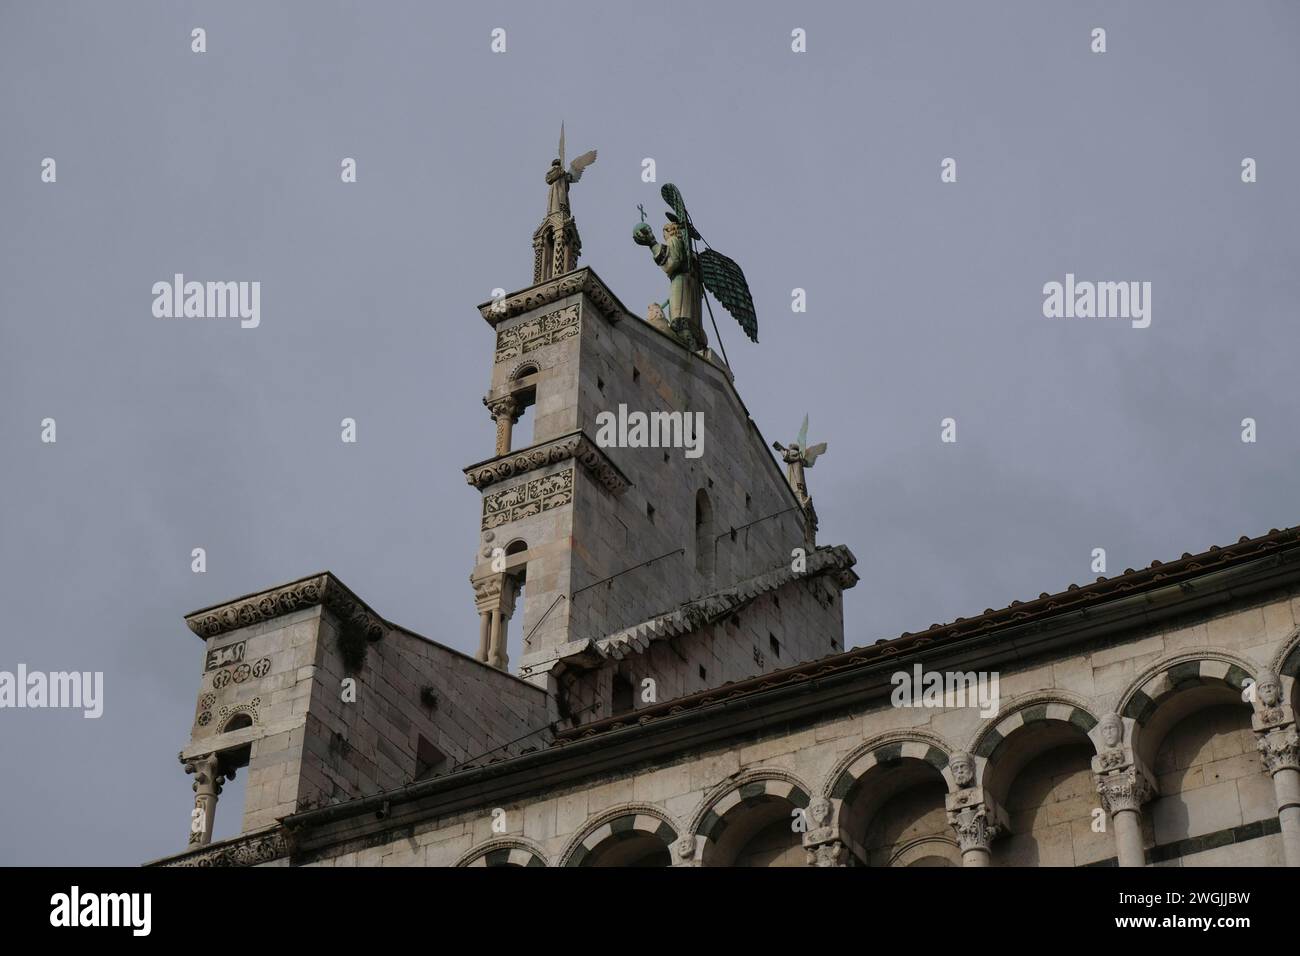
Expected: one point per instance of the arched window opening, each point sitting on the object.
(237, 722)
(516, 645)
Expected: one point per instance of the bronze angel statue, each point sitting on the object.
(690, 272)
(559, 178)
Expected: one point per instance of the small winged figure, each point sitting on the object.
(798, 457)
(559, 179)
(690, 272)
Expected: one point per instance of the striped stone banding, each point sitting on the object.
(1291, 666)
(886, 755)
(1142, 704)
(993, 741)
(748, 794)
(507, 856)
(623, 828)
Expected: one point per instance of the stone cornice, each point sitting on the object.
(576, 446)
(836, 561)
(319, 590)
(249, 849)
(582, 280)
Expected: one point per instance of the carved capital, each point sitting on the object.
(976, 827)
(208, 775)
(1124, 790)
(1279, 749)
(828, 853)
(506, 407)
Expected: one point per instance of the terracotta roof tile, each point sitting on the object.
(1075, 596)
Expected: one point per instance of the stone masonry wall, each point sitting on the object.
(308, 746)
(1048, 795)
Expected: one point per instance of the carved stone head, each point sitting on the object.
(1268, 689)
(672, 230)
(963, 768)
(1112, 730)
(686, 847)
(819, 809)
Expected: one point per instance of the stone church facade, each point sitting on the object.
(682, 695)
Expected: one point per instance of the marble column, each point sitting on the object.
(208, 777)
(976, 832)
(506, 412)
(484, 635)
(1279, 748)
(973, 815)
(1122, 794)
(1123, 784)
(496, 653)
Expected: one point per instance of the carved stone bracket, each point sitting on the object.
(576, 446)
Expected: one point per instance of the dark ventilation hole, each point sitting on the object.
(600, 384)
(774, 644)
(650, 511)
(636, 374)
(621, 698)
(428, 758)
(704, 675)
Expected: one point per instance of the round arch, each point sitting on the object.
(736, 814)
(1034, 760)
(627, 835)
(888, 800)
(1192, 731)
(504, 852)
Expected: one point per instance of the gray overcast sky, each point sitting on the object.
(818, 170)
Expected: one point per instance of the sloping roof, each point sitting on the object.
(1075, 597)
(693, 615)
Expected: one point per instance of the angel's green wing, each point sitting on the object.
(723, 277)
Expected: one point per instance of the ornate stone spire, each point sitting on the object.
(556, 245)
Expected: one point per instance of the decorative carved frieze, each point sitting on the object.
(323, 590)
(250, 850)
(583, 281)
(576, 446)
(527, 499)
(536, 333)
